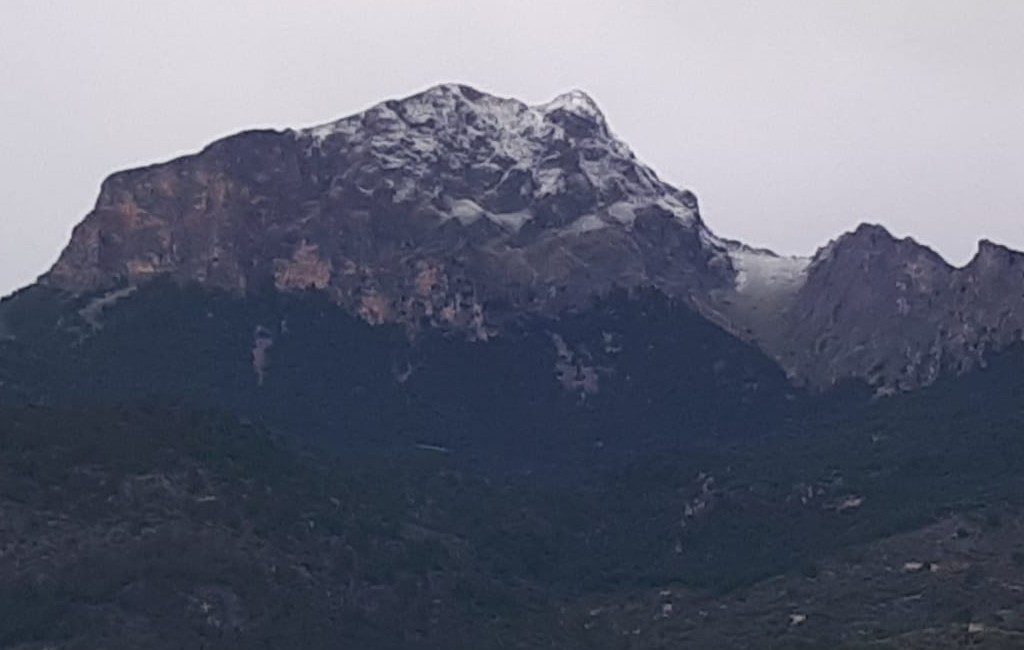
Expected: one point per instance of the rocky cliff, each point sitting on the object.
(458, 209)
(451, 206)
(895, 313)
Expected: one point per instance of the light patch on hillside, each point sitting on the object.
(764, 288)
(762, 272)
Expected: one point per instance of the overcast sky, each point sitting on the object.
(791, 121)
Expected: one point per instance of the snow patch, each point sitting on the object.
(623, 212)
(345, 126)
(586, 223)
(511, 220)
(678, 210)
(758, 270)
(466, 211)
(576, 102)
(549, 181)
(93, 312)
(456, 130)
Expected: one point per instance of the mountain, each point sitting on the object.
(887, 311)
(901, 315)
(459, 372)
(451, 207)
(460, 210)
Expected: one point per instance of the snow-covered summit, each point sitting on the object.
(453, 140)
(575, 102)
(445, 104)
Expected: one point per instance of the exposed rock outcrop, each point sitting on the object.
(450, 206)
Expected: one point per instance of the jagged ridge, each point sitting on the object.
(460, 209)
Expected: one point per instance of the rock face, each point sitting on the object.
(458, 209)
(893, 312)
(452, 207)
(869, 306)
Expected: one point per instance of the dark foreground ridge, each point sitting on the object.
(489, 505)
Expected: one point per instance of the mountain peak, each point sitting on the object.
(872, 239)
(866, 229)
(987, 247)
(868, 235)
(425, 208)
(993, 258)
(454, 106)
(576, 102)
(453, 88)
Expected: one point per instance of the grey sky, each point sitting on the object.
(791, 121)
